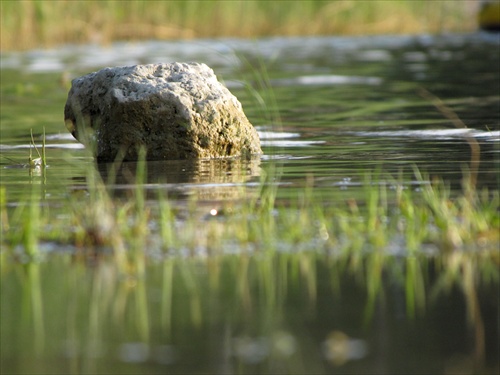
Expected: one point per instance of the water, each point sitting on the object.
(347, 107)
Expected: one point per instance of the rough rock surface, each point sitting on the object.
(175, 111)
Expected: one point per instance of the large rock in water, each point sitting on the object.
(174, 111)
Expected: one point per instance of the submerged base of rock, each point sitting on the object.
(172, 111)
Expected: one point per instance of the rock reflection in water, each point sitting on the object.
(206, 179)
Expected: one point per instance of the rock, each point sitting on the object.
(174, 111)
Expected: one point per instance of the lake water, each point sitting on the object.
(330, 111)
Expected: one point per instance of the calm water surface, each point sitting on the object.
(330, 111)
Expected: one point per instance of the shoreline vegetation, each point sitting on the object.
(45, 24)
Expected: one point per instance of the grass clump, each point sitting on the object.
(391, 216)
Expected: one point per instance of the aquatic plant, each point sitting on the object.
(391, 211)
(39, 163)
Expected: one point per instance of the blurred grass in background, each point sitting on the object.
(43, 23)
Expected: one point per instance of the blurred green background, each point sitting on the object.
(41, 23)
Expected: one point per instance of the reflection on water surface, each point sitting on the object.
(348, 107)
